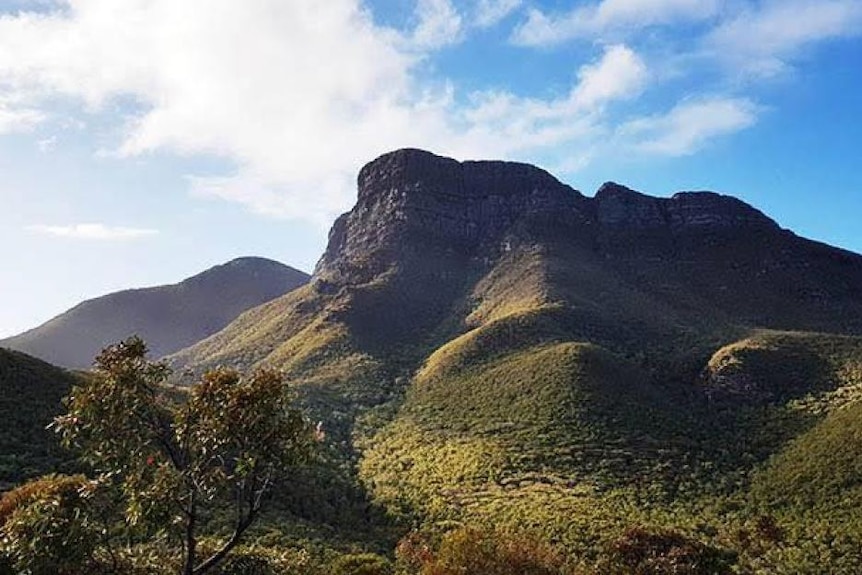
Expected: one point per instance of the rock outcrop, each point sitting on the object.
(414, 200)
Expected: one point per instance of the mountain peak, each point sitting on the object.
(411, 170)
(618, 206)
(168, 317)
(709, 209)
(412, 204)
(413, 200)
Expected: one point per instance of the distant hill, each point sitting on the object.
(492, 346)
(168, 317)
(30, 394)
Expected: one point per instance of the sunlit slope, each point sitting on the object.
(815, 372)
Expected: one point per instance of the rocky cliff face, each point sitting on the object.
(411, 198)
(620, 207)
(414, 201)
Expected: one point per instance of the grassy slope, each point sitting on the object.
(523, 420)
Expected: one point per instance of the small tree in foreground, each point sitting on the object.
(174, 457)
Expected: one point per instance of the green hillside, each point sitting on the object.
(548, 408)
(30, 394)
(578, 376)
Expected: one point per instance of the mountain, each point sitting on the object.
(436, 249)
(168, 317)
(487, 345)
(30, 394)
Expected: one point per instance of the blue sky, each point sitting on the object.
(142, 141)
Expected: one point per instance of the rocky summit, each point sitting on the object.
(437, 218)
(413, 199)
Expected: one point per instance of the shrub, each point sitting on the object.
(361, 564)
(46, 528)
(475, 551)
(643, 552)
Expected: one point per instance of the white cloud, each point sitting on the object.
(491, 12)
(93, 232)
(48, 144)
(595, 20)
(298, 95)
(505, 125)
(689, 125)
(291, 92)
(760, 40)
(439, 24)
(620, 74)
(17, 118)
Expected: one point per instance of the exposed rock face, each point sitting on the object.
(621, 207)
(447, 205)
(411, 199)
(711, 210)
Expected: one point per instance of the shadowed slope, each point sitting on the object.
(30, 394)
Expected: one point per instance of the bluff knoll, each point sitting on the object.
(414, 200)
(437, 253)
(487, 346)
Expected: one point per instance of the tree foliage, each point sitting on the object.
(640, 551)
(46, 528)
(174, 458)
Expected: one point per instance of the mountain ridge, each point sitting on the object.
(169, 317)
(474, 202)
(435, 248)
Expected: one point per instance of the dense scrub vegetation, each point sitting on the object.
(30, 396)
(550, 412)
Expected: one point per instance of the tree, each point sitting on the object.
(173, 456)
(641, 551)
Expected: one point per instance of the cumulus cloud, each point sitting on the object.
(690, 125)
(439, 24)
(491, 12)
(592, 21)
(99, 232)
(290, 92)
(620, 74)
(17, 118)
(296, 96)
(505, 125)
(761, 39)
